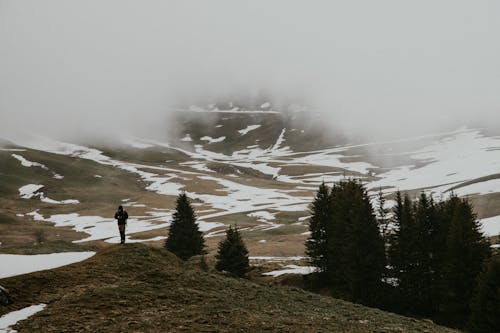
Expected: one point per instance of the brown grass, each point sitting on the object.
(135, 288)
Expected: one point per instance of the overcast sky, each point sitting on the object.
(73, 66)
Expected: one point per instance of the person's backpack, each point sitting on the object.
(122, 215)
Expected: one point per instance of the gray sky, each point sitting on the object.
(84, 66)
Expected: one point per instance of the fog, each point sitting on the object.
(377, 68)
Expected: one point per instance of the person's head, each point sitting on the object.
(120, 207)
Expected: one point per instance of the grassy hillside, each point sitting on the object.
(136, 288)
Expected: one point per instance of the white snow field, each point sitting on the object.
(100, 228)
(10, 319)
(17, 264)
(464, 155)
(446, 161)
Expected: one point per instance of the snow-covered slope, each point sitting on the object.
(261, 171)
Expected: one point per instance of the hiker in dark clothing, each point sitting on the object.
(122, 216)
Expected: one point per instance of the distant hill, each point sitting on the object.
(253, 164)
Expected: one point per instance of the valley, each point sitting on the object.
(257, 170)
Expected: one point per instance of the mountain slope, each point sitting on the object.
(137, 288)
(259, 169)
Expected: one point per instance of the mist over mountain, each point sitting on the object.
(379, 69)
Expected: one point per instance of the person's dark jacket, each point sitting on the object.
(121, 216)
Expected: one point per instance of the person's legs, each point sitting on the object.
(121, 227)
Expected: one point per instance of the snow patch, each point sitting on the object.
(292, 269)
(276, 259)
(10, 319)
(28, 164)
(212, 140)
(262, 215)
(36, 215)
(481, 188)
(248, 129)
(280, 140)
(198, 166)
(207, 226)
(491, 226)
(29, 191)
(17, 264)
(100, 228)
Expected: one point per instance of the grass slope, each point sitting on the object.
(136, 288)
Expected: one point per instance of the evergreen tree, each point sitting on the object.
(466, 251)
(485, 307)
(321, 215)
(436, 254)
(405, 254)
(184, 239)
(442, 216)
(382, 216)
(232, 255)
(423, 274)
(394, 257)
(355, 256)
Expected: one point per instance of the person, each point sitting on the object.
(121, 216)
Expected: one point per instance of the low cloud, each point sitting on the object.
(372, 68)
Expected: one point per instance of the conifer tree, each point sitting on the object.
(404, 252)
(436, 254)
(232, 255)
(321, 215)
(466, 251)
(423, 272)
(485, 307)
(443, 215)
(394, 257)
(184, 239)
(382, 213)
(356, 256)
(412, 253)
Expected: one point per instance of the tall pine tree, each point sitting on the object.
(436, 253)
(423, 273)
(382, 217)
(485, 307)
(184, 239)
(232, 255)
(355, 248)
(321, 215)
(405, 254)
(466, 251)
